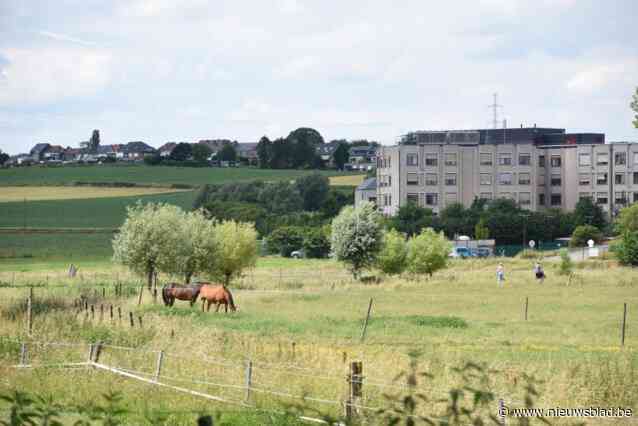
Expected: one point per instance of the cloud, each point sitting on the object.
(45, 75)
(62, 37)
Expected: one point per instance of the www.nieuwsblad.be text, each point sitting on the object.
(612, 412)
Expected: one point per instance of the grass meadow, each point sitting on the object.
(37, 193)
(142, 174)
(300, 322)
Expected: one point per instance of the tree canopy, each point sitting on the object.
(201, 152)
(411, 219)
(227, 153)
(427, 252)
(634, 107)
(181, 152)
(313, 189)
(587, 212)
(236, 249)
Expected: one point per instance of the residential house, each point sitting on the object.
(53, 154)
(367, 191)
(326, 151)
(71, 154)
(38, 151)
(166, 149)
(215, 144)
(362, 157)
(134, 151)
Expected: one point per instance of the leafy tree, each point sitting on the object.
(392, 258)
(237, 249)
(634, 106)
(94, 142)
(411, 219)
(201, 152)
(280, 197)
(147, 239)
(304, 142)
(227, 153)
(264, 152)
(456, 220)
(335, 201)
(152, 159)
(181, 152)
(341, 155)
(281, 157)
(627, 220)
(481, 231)
(566, 265)
(427, 252)
(587, 212)
(316, 242)
(285, 240)
(4, 157)
(239, 212)
(584, 233)
(627, 249)
(313, 190)
(356, 237)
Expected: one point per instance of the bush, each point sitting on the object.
(627, 249)
(316, 243)
(427, 252)
(393, 255)
(584, 233)
(566, 265)
(285, 240)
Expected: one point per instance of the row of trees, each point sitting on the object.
(196, 154)
(163, 238)
(359, 241)
(298, 150)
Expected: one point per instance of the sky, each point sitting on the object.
(159, 70)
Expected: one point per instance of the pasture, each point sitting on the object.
(144, 175)
(300, 323)
(38, 193)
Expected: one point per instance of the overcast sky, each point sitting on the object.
(186, 70)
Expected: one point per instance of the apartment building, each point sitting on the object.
(536, 167)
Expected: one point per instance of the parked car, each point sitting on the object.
(461, 252)
(483, 252)
(297, 254)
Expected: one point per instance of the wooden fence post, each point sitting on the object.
(355, 388)
(365, 324)
(139, 299)
(526, 305)
(139, 320)
(154, 295)
(130, 317)
(23, 354)
(624, 321)
(30, 311)
(294, 345)
(92, 312)
(97, 352)
(249, 379)
(103, 292)
(119, 314)
(101, 312)
(91, 350)
(111, 312)
(158, 370)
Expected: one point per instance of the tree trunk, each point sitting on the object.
(187, 277)
(149, 278)
(227, 280)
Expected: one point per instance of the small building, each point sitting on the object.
(362, 158)
(366, 191)
(137, 150)
(38, 151)
(166, 149)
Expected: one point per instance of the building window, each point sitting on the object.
(582, 195)
(389, 180)
(524, 159)
(584, 159)
(602, 159)
(619, 179)
(636, 158)
(556, 200)
(486, 179)
(635, 197)
(541, 199)
(431, 160)
(412, 159)
(541, 161)
(620, 158)
(556, 161)
(505, 195)
(431, 199)
(541, 180)
(413, 179)
(524, 198)
(601, 179)
(620, 198)
(602, 198)
(413, 198)
(504, 178)
(524, 179)
(487, 196)
(505, 159)
(486, 159)
(450, 179)
(450, 159)
(584, 179)
(431, 179)
(450, 198)
(635, 178)
(556, 180)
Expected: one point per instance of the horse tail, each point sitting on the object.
(165, 297)
(230, 299)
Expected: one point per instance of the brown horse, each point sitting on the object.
(172, 291)
(217, 294)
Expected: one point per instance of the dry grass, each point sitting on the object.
(36, 193)
(350, 180)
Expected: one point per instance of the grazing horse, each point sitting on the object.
(172, 291)
(217, 294)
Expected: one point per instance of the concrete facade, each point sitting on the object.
(537, 168)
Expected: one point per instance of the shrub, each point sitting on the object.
(237, 249)
(628, 219)
(584, 233)
(316, 243)
(566, 265)
(393, 255)
(285, 240)
(428, 252)
(627, 249)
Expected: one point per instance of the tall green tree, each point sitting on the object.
(427, 252)
(341, 155)
(313, 189)
(587, 212)
(481, 231)
(4, 157)
(627, 220)
(392, 259)
(456, 220)
(634, 107)
(584, 233)
(181, 152)
(94, 142)
(237, 249)
(227, 153)
(627, 249)
(281, 198)
(356, 237)
(281, 154)
(264, 152)
(201, 152)
(304, 142)
(411, 219)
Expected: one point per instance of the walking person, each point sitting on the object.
(500, 275)
(539, 273)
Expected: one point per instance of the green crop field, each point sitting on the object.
(81, 213)
(141, 174)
